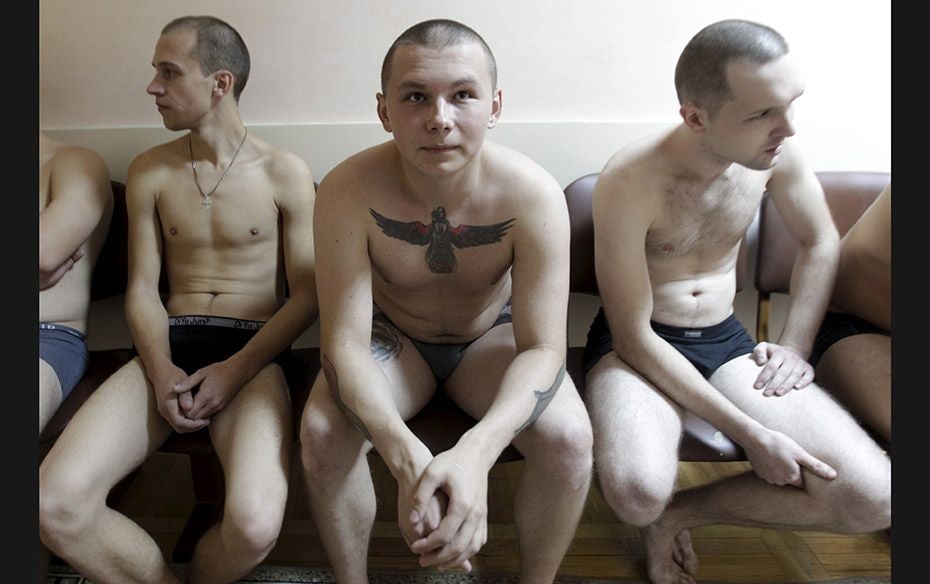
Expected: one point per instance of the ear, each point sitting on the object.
(223, 81)
(497, 103)
(382, 112)
(694, 116)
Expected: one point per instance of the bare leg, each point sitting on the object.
(333, 453)
(557, 449)
(114, 432)
(858, 500)
(857, 370)
(252, 438)
(49, 394)
(637, 431)
(339, 486)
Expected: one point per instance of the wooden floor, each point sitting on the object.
(160, 498)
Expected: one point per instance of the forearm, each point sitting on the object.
(148, 327)
(672, 374)
(363, 392)
(277, 334)
(526, 389)
(812, 280)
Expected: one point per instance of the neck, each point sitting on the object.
(693, 157)
(447, 191)
(217, 143)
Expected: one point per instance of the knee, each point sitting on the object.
(861, 502)
(637, 498)
(567, 453)
(867, 509)
(321, 440)
(252, 531)
(66, 509)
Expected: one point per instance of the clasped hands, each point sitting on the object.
(443, 517)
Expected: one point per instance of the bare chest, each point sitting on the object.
(440, 254)
(694, 222)
(233, 219)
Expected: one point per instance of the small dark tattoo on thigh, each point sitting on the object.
(385, 342)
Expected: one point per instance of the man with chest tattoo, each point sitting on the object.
(231, 217)
(443, 263)
(669, 213)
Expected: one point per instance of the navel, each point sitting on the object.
(254, 231)
(173, 230)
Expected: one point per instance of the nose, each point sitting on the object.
(440, 118)
(785, 126)
(154, 87)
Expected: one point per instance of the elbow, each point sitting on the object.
(48, 264)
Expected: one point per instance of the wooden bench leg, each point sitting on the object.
(207, 475)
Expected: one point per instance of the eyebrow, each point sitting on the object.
(771, 107)
(419, 85)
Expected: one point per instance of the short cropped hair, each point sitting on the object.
(218, 46)
(437, 34)
(700, 75)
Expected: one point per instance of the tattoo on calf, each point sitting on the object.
(542, 399)
(329, 370)
(385, 342)
(439, 236)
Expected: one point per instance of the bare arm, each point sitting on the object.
(540, 286)
(863, 281)
(145, 312)
(79, 199)
(799, 197)
(797, 194)
(622, 217)
(344, 286)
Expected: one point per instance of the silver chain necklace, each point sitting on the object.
(207, 200)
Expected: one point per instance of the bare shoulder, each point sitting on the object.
(168, 156)
(77, 161)
(634, 171)
(358, 176)
(284, 166)
(791, 171)
(517, 175)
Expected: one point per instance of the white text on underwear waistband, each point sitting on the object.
(221, 321)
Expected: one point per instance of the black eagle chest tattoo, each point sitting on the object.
(439, 236)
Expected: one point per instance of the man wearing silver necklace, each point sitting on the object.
(209, 356)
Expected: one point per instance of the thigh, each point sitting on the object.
(475, 383)
(253, 433)
(49, 390)
(409, 379)
(857, 370)
(112, 433)
(635, 425)
(810, 416)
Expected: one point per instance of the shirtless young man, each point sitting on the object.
(852, 351)
(231, 216)
(422, 243)
(75, 206)
(669, 213)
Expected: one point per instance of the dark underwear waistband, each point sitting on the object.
(50, 326)
(221, 321)
(707, 332)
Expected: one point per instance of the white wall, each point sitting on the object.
(607, 63)
(580, 79)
